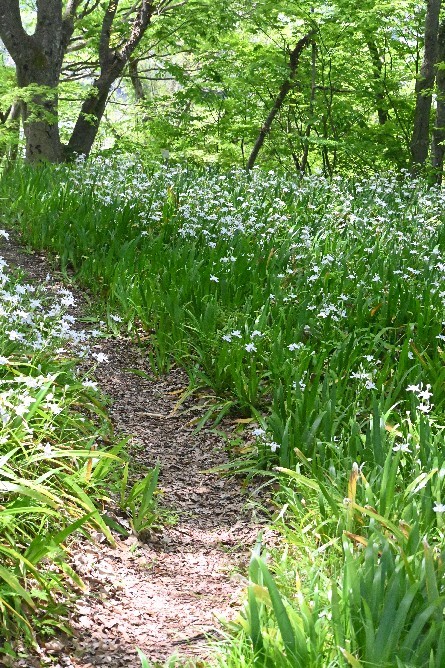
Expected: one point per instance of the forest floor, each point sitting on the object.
(163, 594)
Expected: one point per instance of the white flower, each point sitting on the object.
(258, 432)
(439, 508)
(361, 375)
(227, 337)
(47, 450)
(54, 408)
(15, 336)
(215, 279)
(100, 357)
(236, 333)
(401, 447)
(250, 347)
(116, 318)
(295, 346)
(274, 446)
(255, 332)
(90, 384)
(425, 394)
(3, 360)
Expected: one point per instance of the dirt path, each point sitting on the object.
(162, 595)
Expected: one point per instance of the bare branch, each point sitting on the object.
(71, 8)
(165, 7)
(279, 100)
(89, 9)
(77, 44)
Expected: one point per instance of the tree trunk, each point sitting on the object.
(11, 129)
(304, 160)
(112, 64)
(136, 82)
(40, 112)
(424, 86)
(38, 60)
(285, 88)
(88, 121)
(379, 87)
(438, 141)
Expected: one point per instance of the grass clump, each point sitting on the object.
(360, 581)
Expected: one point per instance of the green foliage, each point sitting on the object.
(349, 110)
(139, 501)
(315, 309)
(360, 582)
(209, 73)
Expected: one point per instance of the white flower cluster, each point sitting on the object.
(424, 395)
(32, 323)
(261, 434)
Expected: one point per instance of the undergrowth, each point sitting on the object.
(316, 310)
(57, 451)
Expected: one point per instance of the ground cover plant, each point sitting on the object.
(316, 309)
(56, 449)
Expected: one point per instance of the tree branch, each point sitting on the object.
(140, 24)
(285, 88)
(49, 20)
(105, 53)
(14, 37)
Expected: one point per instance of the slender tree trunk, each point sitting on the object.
(112, 64)
(304, 160)
(88, 121)
(10, 127)
(379, 86)
(438, 141)
(135, 79)
(284, 90)
(424, 86)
